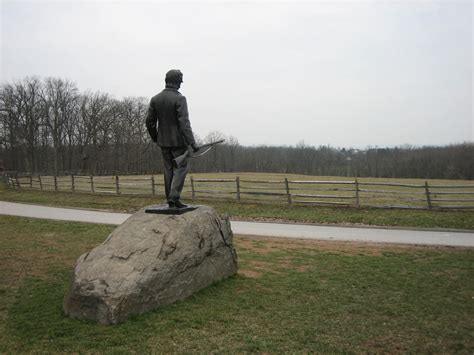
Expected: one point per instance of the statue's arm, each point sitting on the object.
(183, 120)
(151, 120)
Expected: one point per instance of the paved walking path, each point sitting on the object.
(283, 230)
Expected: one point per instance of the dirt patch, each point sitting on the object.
(303, 268)
(260, 264)
(250, 273)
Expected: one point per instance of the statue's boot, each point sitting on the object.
(176, 203)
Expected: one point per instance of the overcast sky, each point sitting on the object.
(339, 73)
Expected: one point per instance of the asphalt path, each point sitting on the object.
(264, 229)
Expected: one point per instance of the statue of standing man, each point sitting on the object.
(168, 124)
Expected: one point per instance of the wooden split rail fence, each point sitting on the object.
(355, 193)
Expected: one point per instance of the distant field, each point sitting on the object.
(280, 189)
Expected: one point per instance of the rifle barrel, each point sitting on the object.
(209, 144)
(187, 153)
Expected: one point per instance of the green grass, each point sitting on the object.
(256, 211)
(287, 296)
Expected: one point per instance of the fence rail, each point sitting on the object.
(353, 193)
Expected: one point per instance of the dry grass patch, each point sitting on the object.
(266, 245)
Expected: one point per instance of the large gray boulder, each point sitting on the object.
(149, 261)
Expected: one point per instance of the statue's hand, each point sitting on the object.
(195, 147)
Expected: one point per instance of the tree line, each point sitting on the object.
(49, 126)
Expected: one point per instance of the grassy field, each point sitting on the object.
(255, 210)
(274, 188)
(287, 296)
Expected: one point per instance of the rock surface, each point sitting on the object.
(149, 261)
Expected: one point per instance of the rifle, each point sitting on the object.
(178, 160)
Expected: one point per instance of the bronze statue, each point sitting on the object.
(168, 125)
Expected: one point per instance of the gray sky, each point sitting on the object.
(343, 73)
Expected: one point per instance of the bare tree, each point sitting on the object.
(21, 116)
(60, 100)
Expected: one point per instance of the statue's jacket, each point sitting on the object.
(168, 119)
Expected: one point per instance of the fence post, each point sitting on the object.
(55, 183)
(73, 183)
(40, 182)
(192, 189)
(287, 185)
(428, 198)
(31, 181)
(237, 184)
(153, 185)
(117, 185)
(92, 183)
(357, 204)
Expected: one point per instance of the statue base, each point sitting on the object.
(165, 209)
